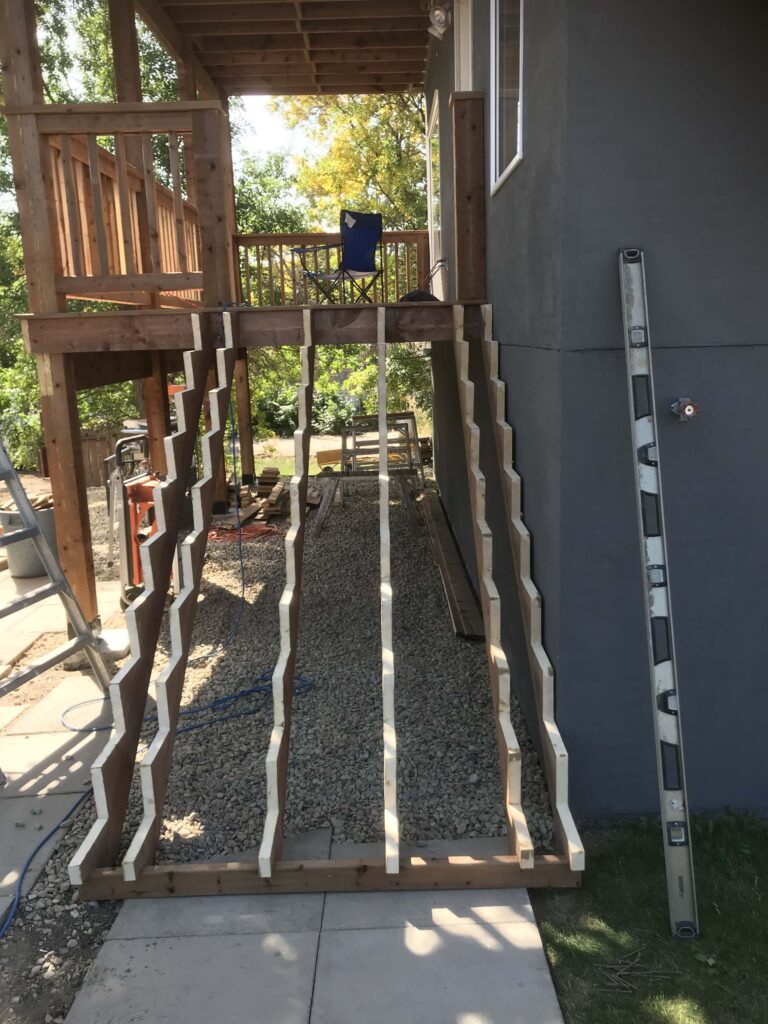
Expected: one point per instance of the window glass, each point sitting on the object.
(506, 42)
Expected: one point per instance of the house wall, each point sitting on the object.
(643, 126)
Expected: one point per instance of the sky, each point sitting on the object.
(265, 132)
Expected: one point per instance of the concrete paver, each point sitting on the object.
(45, 715)
(467, 974)
(248, 979)
(23, 823)
(40, 763)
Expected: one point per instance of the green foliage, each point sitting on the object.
(368, 155)
(267, 197)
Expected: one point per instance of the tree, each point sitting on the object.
(368, 153)
(267, 197)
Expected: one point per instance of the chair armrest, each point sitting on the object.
(299, 249)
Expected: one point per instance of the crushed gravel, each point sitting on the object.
(449, 782)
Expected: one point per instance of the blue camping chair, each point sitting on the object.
(360, 239)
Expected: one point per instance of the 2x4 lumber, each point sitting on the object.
(112, 770)
(155, 767)
(416, 873)
(87, 285)
(498, 667)
(63, 443)
(283, 675)
(469, 190)
(391, 818)
(542, 671)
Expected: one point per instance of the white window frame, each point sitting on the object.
(500, 175)
(435, 230)
(462, 45)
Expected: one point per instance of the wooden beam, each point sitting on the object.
(186, 16)
(215, 210)
(112, 771)
(283, 676)
(150, 120)
(555, 756)
(271, 59)
(176, 42)
(318, 41)
(469, 195)
(145, 330)
(363, 875)
(391, 818)
(288, 26)
(498, 667)
(155, 768)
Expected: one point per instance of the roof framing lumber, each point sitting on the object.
(176, 42)
(186, 16)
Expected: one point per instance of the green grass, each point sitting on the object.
(621, 907)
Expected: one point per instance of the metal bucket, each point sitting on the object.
(23, 561)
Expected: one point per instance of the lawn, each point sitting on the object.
(621, 909)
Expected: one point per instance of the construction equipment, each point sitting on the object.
(83, 638)
(658, 607)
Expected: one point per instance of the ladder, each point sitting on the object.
(83, 639)
(657, 604)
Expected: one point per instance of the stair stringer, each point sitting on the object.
(498, 667)
(155, 768)
(112, 771)
(542, 670)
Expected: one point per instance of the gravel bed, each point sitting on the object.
(448, 774)
(449, 780)
(97, 511)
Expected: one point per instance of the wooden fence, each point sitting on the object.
(272, 275)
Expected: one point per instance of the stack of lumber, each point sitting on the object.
(243, 497)
(40, 502)
(270, 476)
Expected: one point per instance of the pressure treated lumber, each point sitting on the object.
(391, 819)
(155, 767)
(283, 675)
(498, 667)
(416, 873)
(543, 674)
(466, 616)
(113, 769)
(266, 326)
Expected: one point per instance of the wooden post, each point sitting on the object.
(469, 195)
(215, 217)
(244, 423)
(158, 412)
(22, 86)
(188, 91)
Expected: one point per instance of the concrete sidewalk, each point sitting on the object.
(342, 958)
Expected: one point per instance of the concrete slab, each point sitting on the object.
(356, 910)
(36, 816)
(218, 915)
(45, 715)
(464, 974)
(237, 979)
(8, 712)
(40, 763)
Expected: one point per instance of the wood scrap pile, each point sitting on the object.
(42, 501)
(272, 498)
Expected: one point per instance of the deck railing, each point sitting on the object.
(123, 235)
(272, 275)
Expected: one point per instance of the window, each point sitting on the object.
(506, 88)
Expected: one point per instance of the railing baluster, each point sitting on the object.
(260, 278)
(124, 196)
(98, 210)
(73, 212)
(407, 247)
(178, 201)
(270, 270)
(151, 201)
(281, 257)
(247, 296)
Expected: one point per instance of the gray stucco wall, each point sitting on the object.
(643, 126)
